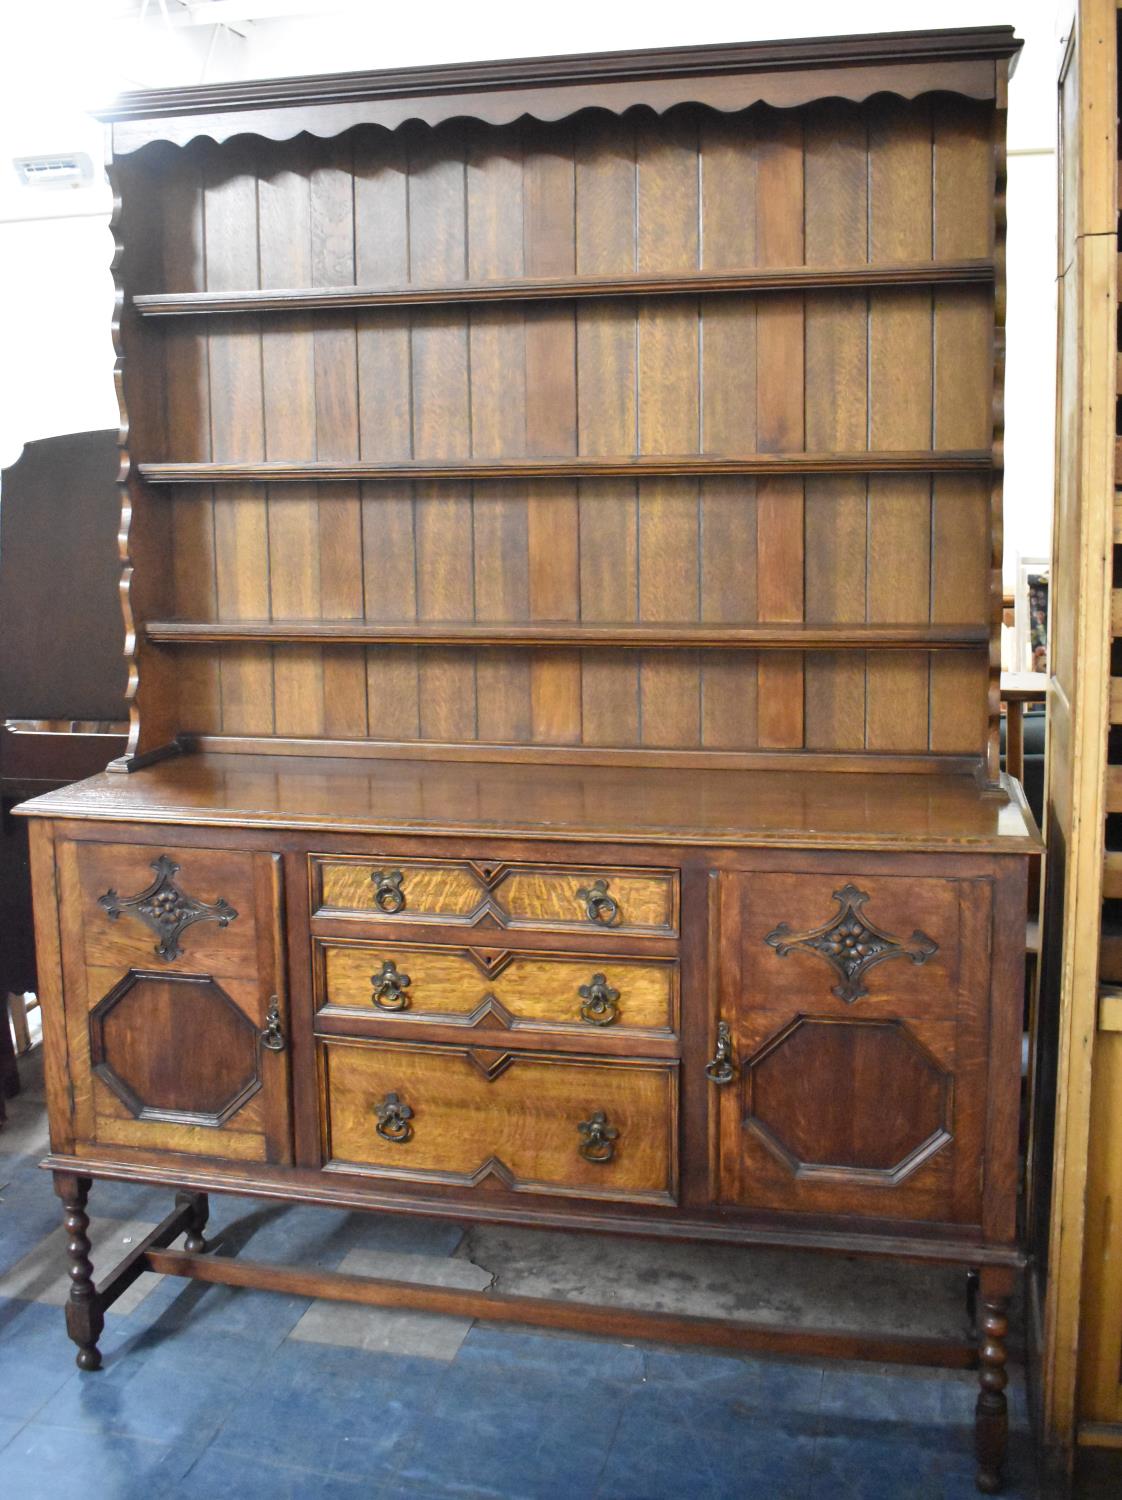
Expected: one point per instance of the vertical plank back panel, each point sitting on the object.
(186, 379)
(831, 184)
(498, 427)
(668, 375)
(384, 376)
(728, 425)
(900, 355)
(337, 435)
(237, 432)
(606, 419)
(837, 417)
(780, 418)
(442, 429)
(963, 197)
(289, 383)
(549, 249)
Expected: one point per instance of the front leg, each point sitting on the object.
(199, 1204)
(991, 1420)
(84, 1313)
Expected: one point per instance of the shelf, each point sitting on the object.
(570, 634)
(921, 461)
(555, 288)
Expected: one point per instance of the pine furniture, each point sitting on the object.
(1076, 1163)
(561, 567)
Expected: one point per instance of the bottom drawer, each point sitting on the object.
(540, 1124)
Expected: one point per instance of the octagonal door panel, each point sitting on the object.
(857, 1008)
(168, 1019)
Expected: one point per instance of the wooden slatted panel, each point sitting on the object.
(549, 238)
(498, 427)
(381, 200)
(606, 416)
(337, 435)
(668, 364)
(652, 375)
(963, 196)
(289, 381)
(187, 404)
(836, 418)
(900, 351)
(1112, 877)
(780, 422)
(442, 427)
(728, 425)
(236, 418)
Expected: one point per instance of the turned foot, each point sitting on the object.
(84, 1316)
(991, 1422)
(199, 1204)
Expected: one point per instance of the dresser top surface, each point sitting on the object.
(572, 802)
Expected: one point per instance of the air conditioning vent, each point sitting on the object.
(67, 169)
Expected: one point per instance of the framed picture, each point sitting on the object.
(1031, 614)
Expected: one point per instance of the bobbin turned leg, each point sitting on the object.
(84, 1316)
(199, 1204)
(991, 1421)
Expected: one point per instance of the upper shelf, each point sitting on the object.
(921, 461)
(558, 288)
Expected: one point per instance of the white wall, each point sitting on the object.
(55, 291)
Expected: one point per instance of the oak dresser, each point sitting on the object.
(561, 565)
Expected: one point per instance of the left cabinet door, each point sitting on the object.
(176, 1021)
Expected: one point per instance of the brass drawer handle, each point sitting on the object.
(389, 987)
(388, 895)
(272, 1036)
(597, 1138)
(598, 905)
(721, 1068)
(598, 1001)
(393, 1120)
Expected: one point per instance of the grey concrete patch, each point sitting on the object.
(428, 1335)
(41, 1274)
(24, 1133)
(723, 1281)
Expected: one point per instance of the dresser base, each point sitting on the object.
(88, 1302)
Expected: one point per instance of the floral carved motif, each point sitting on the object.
(850, 943)
(166, 909)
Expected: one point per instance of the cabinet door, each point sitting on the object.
(854, 1061)
(176, 1021)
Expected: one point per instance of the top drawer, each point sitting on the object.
(464, 892)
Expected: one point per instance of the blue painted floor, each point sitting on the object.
(205, 1392)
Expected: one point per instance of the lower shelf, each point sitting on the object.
(553, 633)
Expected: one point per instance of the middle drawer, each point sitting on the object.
(460, 986)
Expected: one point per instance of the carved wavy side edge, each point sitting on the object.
(996, 502)
(325, 122)
(124, 467)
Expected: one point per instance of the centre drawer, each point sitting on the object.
(467, 892)
(461, 986)
(537, 1123)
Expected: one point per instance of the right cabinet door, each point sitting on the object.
(850, 1044)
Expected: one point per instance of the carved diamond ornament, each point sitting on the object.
(166, 909)
(851, 944)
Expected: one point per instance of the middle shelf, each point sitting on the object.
(627, 466)
(645, 636)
